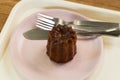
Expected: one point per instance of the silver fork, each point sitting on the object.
(82, 27)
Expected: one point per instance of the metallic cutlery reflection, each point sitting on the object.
(36, 34)
(45, 23)
(40, 34)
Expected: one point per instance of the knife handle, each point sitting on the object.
(98, 30)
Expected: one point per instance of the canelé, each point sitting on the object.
(61, 45)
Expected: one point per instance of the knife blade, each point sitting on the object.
(40, 34)
(36, 34)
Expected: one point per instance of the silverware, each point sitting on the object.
(46, 22)
(87, 29)
(36, 34)
(40, 34)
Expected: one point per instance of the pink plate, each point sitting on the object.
(31, 61)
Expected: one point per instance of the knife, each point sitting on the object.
(36, 34)
(111, 29)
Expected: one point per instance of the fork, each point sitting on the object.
(81, 27)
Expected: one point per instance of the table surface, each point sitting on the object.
(7, 5)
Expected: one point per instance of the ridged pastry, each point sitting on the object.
(61, 46)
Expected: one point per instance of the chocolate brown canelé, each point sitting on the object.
(61, 46)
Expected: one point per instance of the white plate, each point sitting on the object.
(32, 62)
(24, 9)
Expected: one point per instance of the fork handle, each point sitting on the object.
(113, 31)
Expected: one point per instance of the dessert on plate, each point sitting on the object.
(61, 46)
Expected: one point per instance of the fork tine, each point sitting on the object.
(42, 21)
(42, 26)
(45, 20)
(47, 25)
(45, 16)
